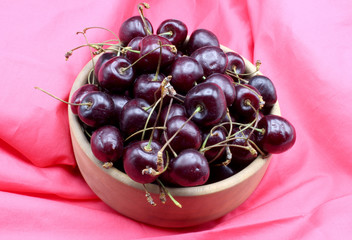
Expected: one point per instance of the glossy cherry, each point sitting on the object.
(103, 58)
(139, 156)
(134, 116)
(220, 172)
(174, 110)
(266, 89)
(190, 168)
(210, 98)
(185, 72)
(116, 75)
(107, 143)
(80, 93)
(236, 63)
(174, 30)
(150, 52)
(96, 109)
(226, 83)
(248, 100)
(279, 134)
(133, 27)
(148, 87)
(189, 135)
(119, 103)
(213, 59)
(134, 45)
(213, 137)
(201, 38)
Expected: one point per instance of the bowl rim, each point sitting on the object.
(77, 131)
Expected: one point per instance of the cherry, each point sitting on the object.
(148, 87)
(134, 45)
(134, 27)
(96, 109)
(247, 102)
(138, 158)
(213, 59)
(174, 30)
(190, 168)
(185, 72)
(266, 89)
(226, 83)
(213, 137)
(211, 100)
(236, 63)
(119, 103)
(187, 137)
(116, 75)
(201, 38)
(107, 143)
(150, 53)
(134, 115)
(174, 110)
(79, 94)
(279, 134)
(103, 58)
(242, 147)
(220, 172)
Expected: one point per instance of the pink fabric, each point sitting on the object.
(305, 48)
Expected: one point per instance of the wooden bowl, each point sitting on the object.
(199, 204)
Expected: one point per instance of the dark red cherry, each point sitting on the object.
(213, 137)
(175, 110)
(213, 59)
(104, 57)
(116, 75)
(185, 72)
(97, 109)
(235, 63)
(211, 99)
(174, 30)
(241, 156)
(226, 83)
(188, 137)
(279, 134)
(266, 89)
(220, 172)
(148, 87)
(80, 93)
(134, 45)
(247, 102)
(119, 103)
(138, 157)
(134, 116)
(201, 38)
(107, 143)
(190, 168)
(133, 27)
(150, 51)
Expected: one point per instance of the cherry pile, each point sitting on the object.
(175, 110)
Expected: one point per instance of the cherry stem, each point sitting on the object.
(117, 38)
(140, 9)
(169, 194)
(140, 131)
(74, 104)
(169, 33)
(148, 147)
(159, 62)
(149, 197)
(90, 50)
